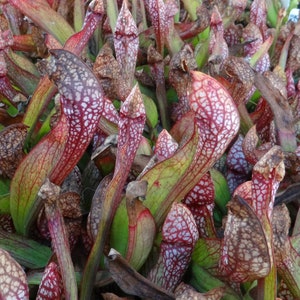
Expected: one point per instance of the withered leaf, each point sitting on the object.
(11, 148)
(108, 71)
(184, 291)
(281, 223)
(286, 256)
(126, 44)
(283, 116)
(245, 254)
(69, 204)
(293, 61)
(111, 296)
(95, 212)
(241, 78)
(179, 77)
(130, 281)
(266, 176)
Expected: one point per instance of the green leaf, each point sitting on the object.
(151, 111)
(164, 178)
(26, 252)
(204, 133)
(4, 196)
(203, 281)
(22, 72)
(12, 111)
(43, 15)
(207, 253)
(119, 229)
(32, 173)
(222, 193)
(131, 125)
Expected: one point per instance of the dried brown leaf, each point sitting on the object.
(73, 182)
(283, 116)
(95, 212)
(111, 296)
(130, 281)
(185, 291)
(109, 73)
(69, 203)
(245, 251)
(293, 61)
(281, 223)
(126, 44)
(264, 119)
(11, 148)
(241, 78)
(6, 119)
(179, 77)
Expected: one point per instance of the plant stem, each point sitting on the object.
(191, 7)
(162, 104)
(246, 122)
(285, 51)
(112, 13)
(263, 49)
(78, 14)
(266, 287)
(50, 193)
(109, 207)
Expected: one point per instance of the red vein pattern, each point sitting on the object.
(157, 14)
(126, 43)
(165, 145)
(82, 102)
(200, 201)
(51, 285)
(216, 116)
(266, 176)
(13, 282)
(131, 125)
(179, 237)
(245, 251)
